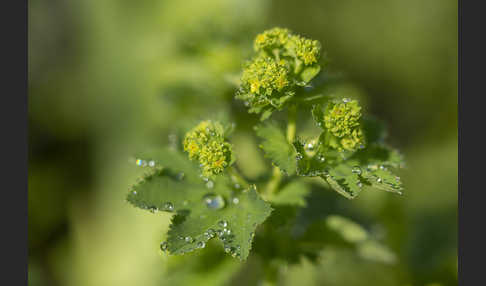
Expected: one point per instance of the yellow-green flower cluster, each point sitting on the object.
(275, 38)
(306, 50)
(343, 121)
(283, 62)
(206, 143)
(263, 76)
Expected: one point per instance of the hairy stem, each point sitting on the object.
(292, 116)
(274, 182)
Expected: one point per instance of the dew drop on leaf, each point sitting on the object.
(223, 223)
(356, 170)
(210, 184)
(151, 163)
(214, 202)
(164, 245)
(188, 239)
(210, 233)
(180, 176)
(219, 232)
(201, 244)
(168, 206)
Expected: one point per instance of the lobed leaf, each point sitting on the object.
(277, 148)
(308, 73)
(234, 225)
(382, 179)
(293, 193)
(203, 209)
(344, 180)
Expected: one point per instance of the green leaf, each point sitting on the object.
(308, 73)
(315, 162)
(267, 112)
(382, 179)
(344, 180)
(234, 225)
(277, 148)
(348, 229)
(293, 193)
(174, 185)
(372, 250)
(379, 154)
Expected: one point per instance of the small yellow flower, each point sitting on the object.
(206, 143)
(271, 39)
(343, 121)
(306, 50)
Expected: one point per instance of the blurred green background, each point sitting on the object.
(108, 78)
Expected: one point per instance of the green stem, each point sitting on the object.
(274, 182)
(272, 185)
(291, 125)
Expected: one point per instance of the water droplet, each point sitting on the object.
(321, 158)
(188, 239)
(210, 184)
(237, 186)
(164, 245)
(228, 231)
(236, 201)
(134, 192)
(210, 233)
(356, 170)
(310, 146)
(214, 202)
(219, 233)
(139, 162)
(180, 176)
(223, 223)
(379, 180)
(201, 244)
(382, 167)
(299, 156)
(360, 184)
(168, 206)
(227, 249)
(346, 100)
(151, 163)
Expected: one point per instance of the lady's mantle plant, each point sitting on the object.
(201, 185)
